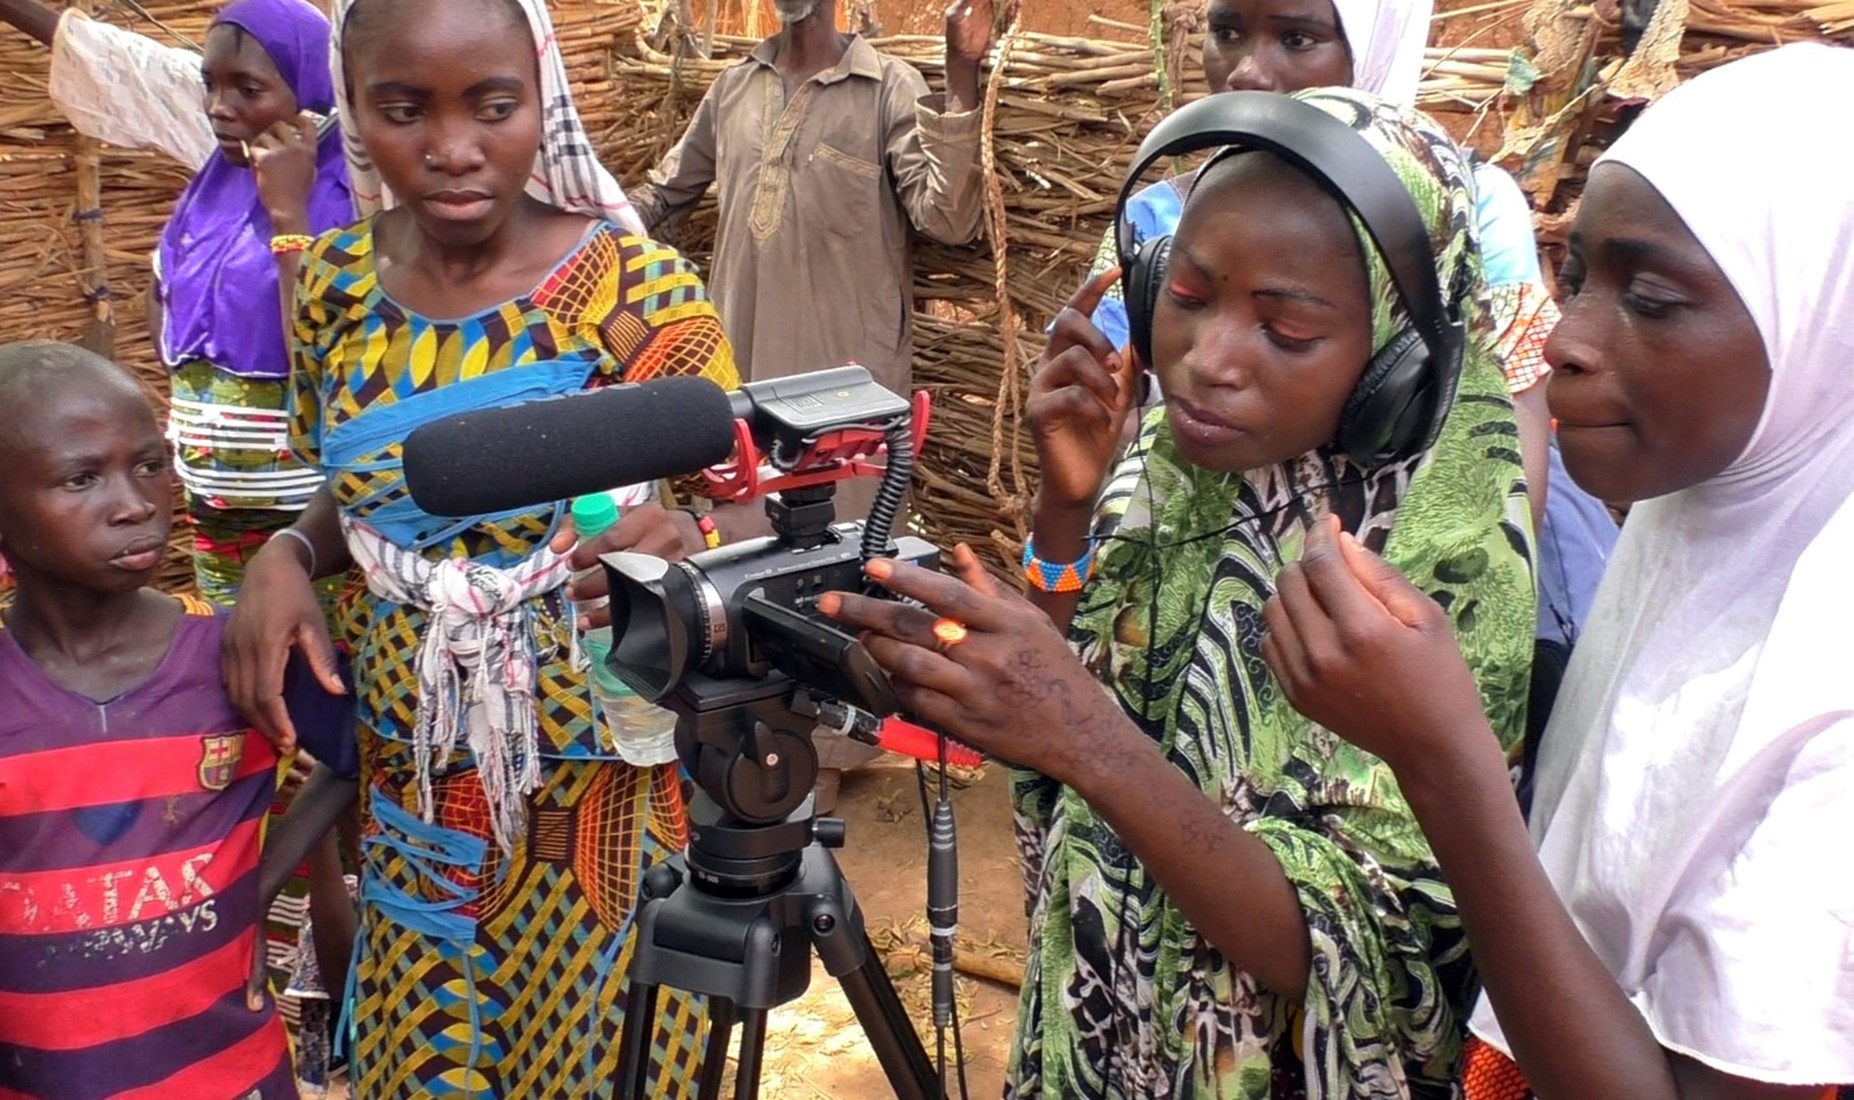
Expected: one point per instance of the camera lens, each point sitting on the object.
(653, 610)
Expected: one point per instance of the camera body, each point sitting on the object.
(731, 639)
(747, 611)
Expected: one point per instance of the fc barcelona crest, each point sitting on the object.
(219, 760)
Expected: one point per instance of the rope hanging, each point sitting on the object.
(1009, 403)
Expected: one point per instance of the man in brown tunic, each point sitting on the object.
(825, 152)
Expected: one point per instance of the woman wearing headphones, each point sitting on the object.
(1377, 46)
(1225, 900)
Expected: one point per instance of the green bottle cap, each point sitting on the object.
(594, 514)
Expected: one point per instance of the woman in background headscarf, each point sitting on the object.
(1227, 903)
(1686, 928)
(269, 175)
(505, 828)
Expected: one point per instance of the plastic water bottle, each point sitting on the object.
(643, 734)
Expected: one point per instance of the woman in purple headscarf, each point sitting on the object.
(270, 175)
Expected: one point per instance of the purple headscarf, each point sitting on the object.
(218, 279)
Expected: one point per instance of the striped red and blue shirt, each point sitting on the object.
(129, 835)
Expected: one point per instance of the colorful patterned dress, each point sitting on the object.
(231, 449)
(1122, 996)
(478, 970)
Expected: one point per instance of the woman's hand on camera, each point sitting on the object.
(1009, 686)
(1362, 651)
(667, 533)
(1080, 400)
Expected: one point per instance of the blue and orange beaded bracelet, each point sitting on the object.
(1049, 576)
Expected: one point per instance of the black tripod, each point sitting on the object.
(735, 917)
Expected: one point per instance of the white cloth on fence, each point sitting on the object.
(130, 91)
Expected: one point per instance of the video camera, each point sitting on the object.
(731, 639)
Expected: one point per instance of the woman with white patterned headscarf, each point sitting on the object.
(508, 817)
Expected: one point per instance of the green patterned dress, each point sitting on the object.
(1123, 998)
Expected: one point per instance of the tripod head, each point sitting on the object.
(754, 766)
(737, 914)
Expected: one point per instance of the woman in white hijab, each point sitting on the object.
(1684, 929)
(1385, 39)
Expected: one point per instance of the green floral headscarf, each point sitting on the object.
(1123, 998)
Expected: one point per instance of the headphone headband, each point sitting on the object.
(1336, 156)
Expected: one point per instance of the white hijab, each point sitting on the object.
(1695, 797)
(1386, 39)
(567, 172)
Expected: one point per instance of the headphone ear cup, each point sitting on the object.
(1140, 285)
(1390, 411)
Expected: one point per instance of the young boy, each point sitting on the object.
(131, 793)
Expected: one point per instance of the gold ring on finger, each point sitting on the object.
(948, 633)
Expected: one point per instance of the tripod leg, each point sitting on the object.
(885, 1022)
(634, 1043)
(752, 1050)
(714, 1058)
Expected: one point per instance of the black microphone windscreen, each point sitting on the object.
(539, 452)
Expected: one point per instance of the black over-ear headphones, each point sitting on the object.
(1398, 405)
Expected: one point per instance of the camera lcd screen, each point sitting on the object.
(818, 655)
